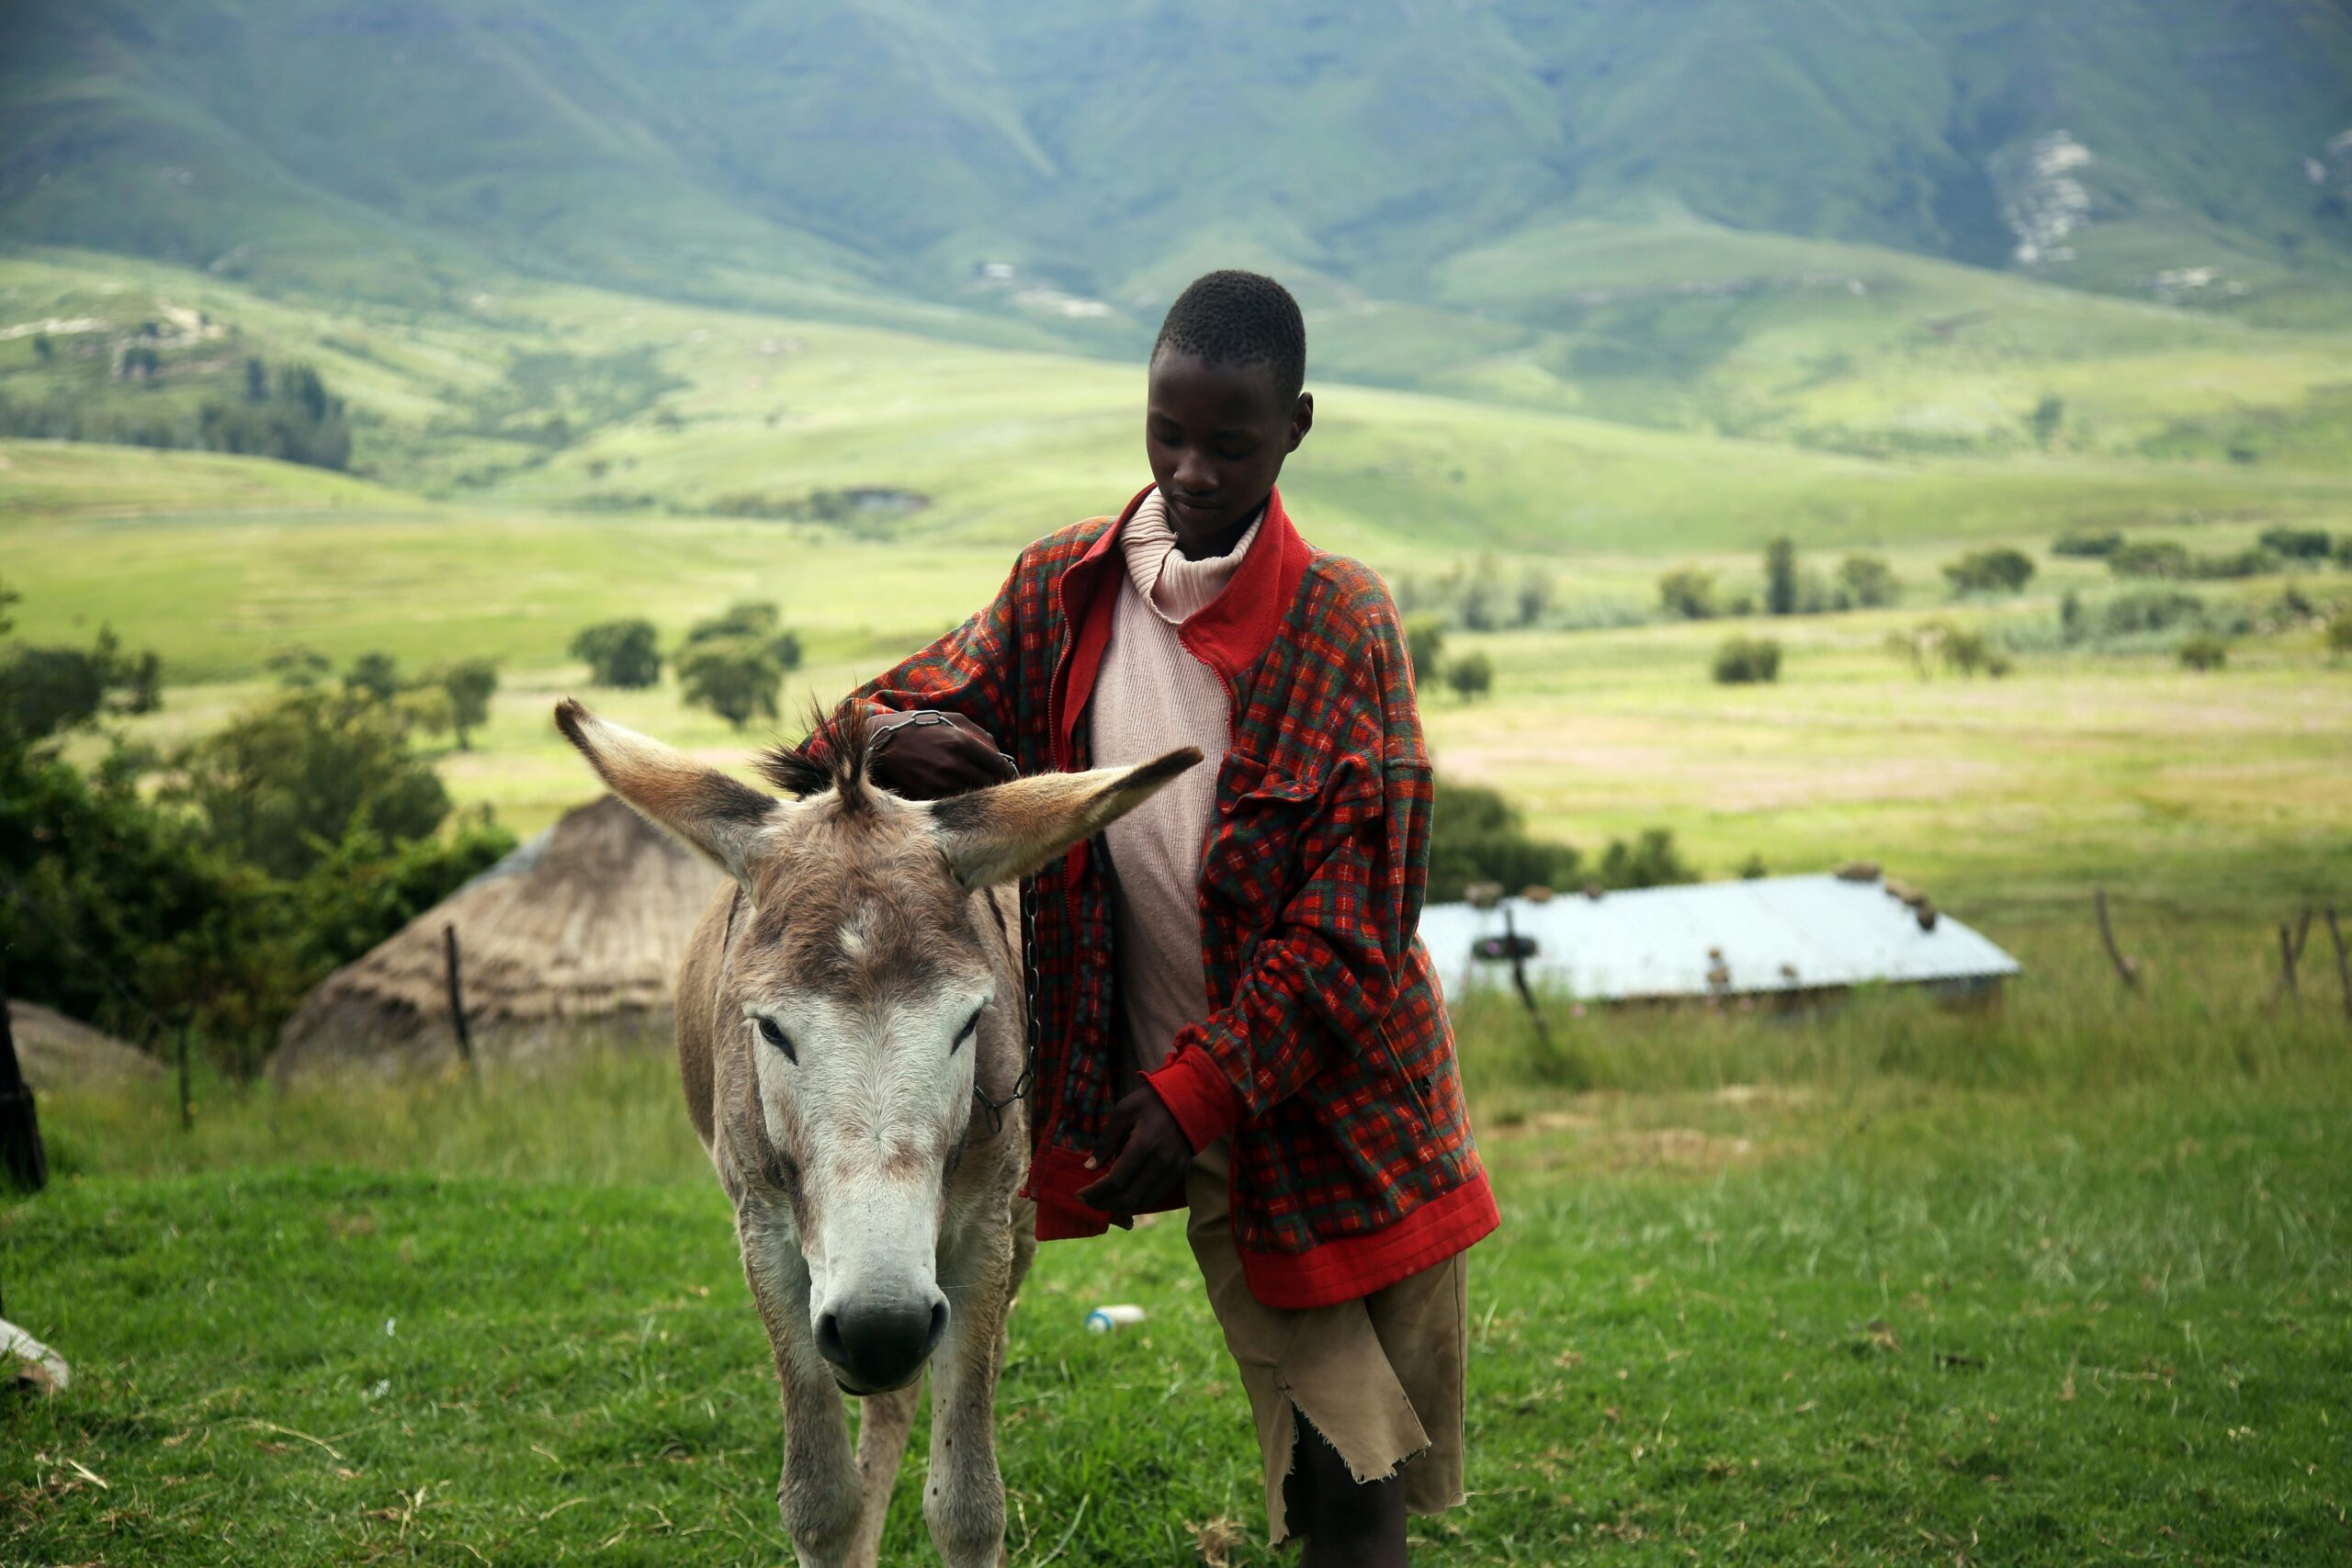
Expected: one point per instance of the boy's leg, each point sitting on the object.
(1347, 1523)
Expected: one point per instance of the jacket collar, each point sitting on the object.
(1229, 634)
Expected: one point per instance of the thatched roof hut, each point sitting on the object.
(577, 934)
(56, 1052)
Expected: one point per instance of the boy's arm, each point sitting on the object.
(1326, 976)
(968, 673)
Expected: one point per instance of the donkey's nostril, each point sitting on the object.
(938, 1327)
(829, 1339)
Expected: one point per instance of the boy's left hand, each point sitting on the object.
(1146, 1153)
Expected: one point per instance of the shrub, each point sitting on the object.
(1744, 660)
(2000, 570)
(2252, 561)
(1534, 596)
(624, 654)
(1940, 643)
(1425, 646)
(1475, 835)
(2298, 544)
(1472, 676)
(47, 690)
(2087, 545)
(1688, 593)
(2339, 633)
(2203, 651)
(1869, 580)
(2149, 557)
(1650, 861)
(1781, 577)
(2148, 610)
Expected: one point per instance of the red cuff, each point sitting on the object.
(1197, 1095)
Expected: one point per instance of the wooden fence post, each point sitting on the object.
(22, 1156)
(2291, 953)
(458, 998)
(2127, 968)
(2343, 962)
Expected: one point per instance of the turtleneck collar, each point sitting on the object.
(1177, 589)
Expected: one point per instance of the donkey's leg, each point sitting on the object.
(964, 1502)
(818, 1494)
(882, 1430)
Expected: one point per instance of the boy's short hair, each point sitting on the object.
(1239, 318)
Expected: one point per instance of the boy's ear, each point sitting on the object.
(1008, 831)
(721, 818)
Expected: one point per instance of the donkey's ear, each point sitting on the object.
(1007, 831)
(710, 812)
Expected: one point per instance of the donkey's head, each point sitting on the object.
(863, 976)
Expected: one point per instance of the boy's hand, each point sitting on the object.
(1146, 1153)
(930, 756)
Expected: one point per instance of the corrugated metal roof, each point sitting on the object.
(1780, 933)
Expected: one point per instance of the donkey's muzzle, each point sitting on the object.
(879, 1346)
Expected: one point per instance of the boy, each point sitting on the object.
(1236, 1016)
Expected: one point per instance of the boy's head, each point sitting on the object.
(1225, 406)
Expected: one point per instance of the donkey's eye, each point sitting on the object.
(971, 1027)
(777, 1038)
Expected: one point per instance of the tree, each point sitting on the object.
(2150, 557)
(1475, 835)
(2044, 422)
(2298, 544)
(284, 783)
(47, 690)
(1688, 593)
(470, 683)
(1998, 569)
(1472, 676)
(2084, 543)
(1781, 577)
(2203, 651)
(1747, 660)
(625, 654)
(1534, 596)
(757, 621)
(1650, 861)
(43, 349)
(1425, 646)
(297, 664)
(738, 678)
(1869, 581)
(375, 674)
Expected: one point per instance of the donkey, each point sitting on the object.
(842, 1009)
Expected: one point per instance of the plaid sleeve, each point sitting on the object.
(970, 671)
(1324, 977)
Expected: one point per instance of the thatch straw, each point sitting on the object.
(56, 1052)
(577, 934)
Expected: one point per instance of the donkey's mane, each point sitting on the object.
(832, 757)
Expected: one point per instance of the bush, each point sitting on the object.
(2252, 561)
(2087, 545)
(1688, 593)
(1781, 577)
(47, 690)
(1650, 861)
(623, 654)
(2298, 544)
(1997, 570)
(1476, 836)
(1472, 676)
(471, 684)
(1869, 581)
(1958, 649)
(2148, 610)
(2339, 633)
(1744, 660)
(2149, 557)
(737, 678)
(1425, 646)
(282, 783)
(2204, 651)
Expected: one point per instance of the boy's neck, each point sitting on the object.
(1219, 543)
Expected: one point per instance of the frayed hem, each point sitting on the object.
(1278, 1531)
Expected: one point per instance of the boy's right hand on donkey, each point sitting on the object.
(929, 755)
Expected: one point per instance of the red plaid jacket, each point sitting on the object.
(1327, 1055)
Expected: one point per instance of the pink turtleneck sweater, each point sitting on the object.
(1150, 697)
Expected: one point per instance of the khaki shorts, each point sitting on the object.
(1381, 1378)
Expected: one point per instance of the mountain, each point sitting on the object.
(738, 148)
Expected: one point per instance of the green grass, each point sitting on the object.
(2062, 1282)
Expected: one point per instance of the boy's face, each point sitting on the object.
(1217, 435)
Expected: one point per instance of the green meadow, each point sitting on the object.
(2060, 1280)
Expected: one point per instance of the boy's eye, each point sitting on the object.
(777, 1038)
(1235, 451)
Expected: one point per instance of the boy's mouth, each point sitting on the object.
(1196, 509)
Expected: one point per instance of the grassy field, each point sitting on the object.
(2065, 1281)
